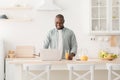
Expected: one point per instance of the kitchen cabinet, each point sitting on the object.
(105, 17)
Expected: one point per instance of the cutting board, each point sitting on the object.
(24, 51)
(113, 41)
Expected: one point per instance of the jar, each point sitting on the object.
(11, 54)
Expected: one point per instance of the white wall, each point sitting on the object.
(77, 16)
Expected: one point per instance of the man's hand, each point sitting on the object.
(71, 55)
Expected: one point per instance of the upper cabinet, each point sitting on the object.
(105, 17)
(115, 15)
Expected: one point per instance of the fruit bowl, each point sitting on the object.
(107, 56)
(109, 59)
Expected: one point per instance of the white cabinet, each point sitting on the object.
(10, 71)
(105, 17)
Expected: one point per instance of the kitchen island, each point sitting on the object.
(14, 69)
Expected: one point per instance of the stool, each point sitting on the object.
(112, 68)
(88, 68)
(44, 68)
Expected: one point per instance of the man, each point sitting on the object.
(61, 38)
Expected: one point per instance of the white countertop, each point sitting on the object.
(62, 62)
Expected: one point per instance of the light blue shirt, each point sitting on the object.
(69, 40)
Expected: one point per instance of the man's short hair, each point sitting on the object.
(60, 16)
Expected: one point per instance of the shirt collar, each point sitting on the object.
(62, 29)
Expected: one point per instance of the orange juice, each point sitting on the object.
(66, 55)
(84, 58)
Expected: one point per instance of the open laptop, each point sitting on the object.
(50, 55)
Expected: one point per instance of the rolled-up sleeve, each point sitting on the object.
(46, 42)
(73, 43)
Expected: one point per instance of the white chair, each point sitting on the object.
(88, 68)
(112, 71)
(43, 69)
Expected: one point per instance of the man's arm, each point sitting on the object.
(46, 41)
(73, 44)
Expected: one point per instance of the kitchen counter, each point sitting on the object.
(17, 63)
(61, 65)
(62, 62)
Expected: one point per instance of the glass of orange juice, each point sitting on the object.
(66, 54)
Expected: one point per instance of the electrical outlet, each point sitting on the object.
(93, 38)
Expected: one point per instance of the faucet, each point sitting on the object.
(38, 55)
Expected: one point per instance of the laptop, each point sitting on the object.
(50, 55)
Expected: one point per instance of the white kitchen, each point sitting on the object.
(24, 25)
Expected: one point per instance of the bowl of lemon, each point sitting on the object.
(104, 55)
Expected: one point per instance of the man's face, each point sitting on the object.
(59, 23)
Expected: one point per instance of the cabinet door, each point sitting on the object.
(115, 15)
(99, 15)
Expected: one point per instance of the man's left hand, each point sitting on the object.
(71, 56)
